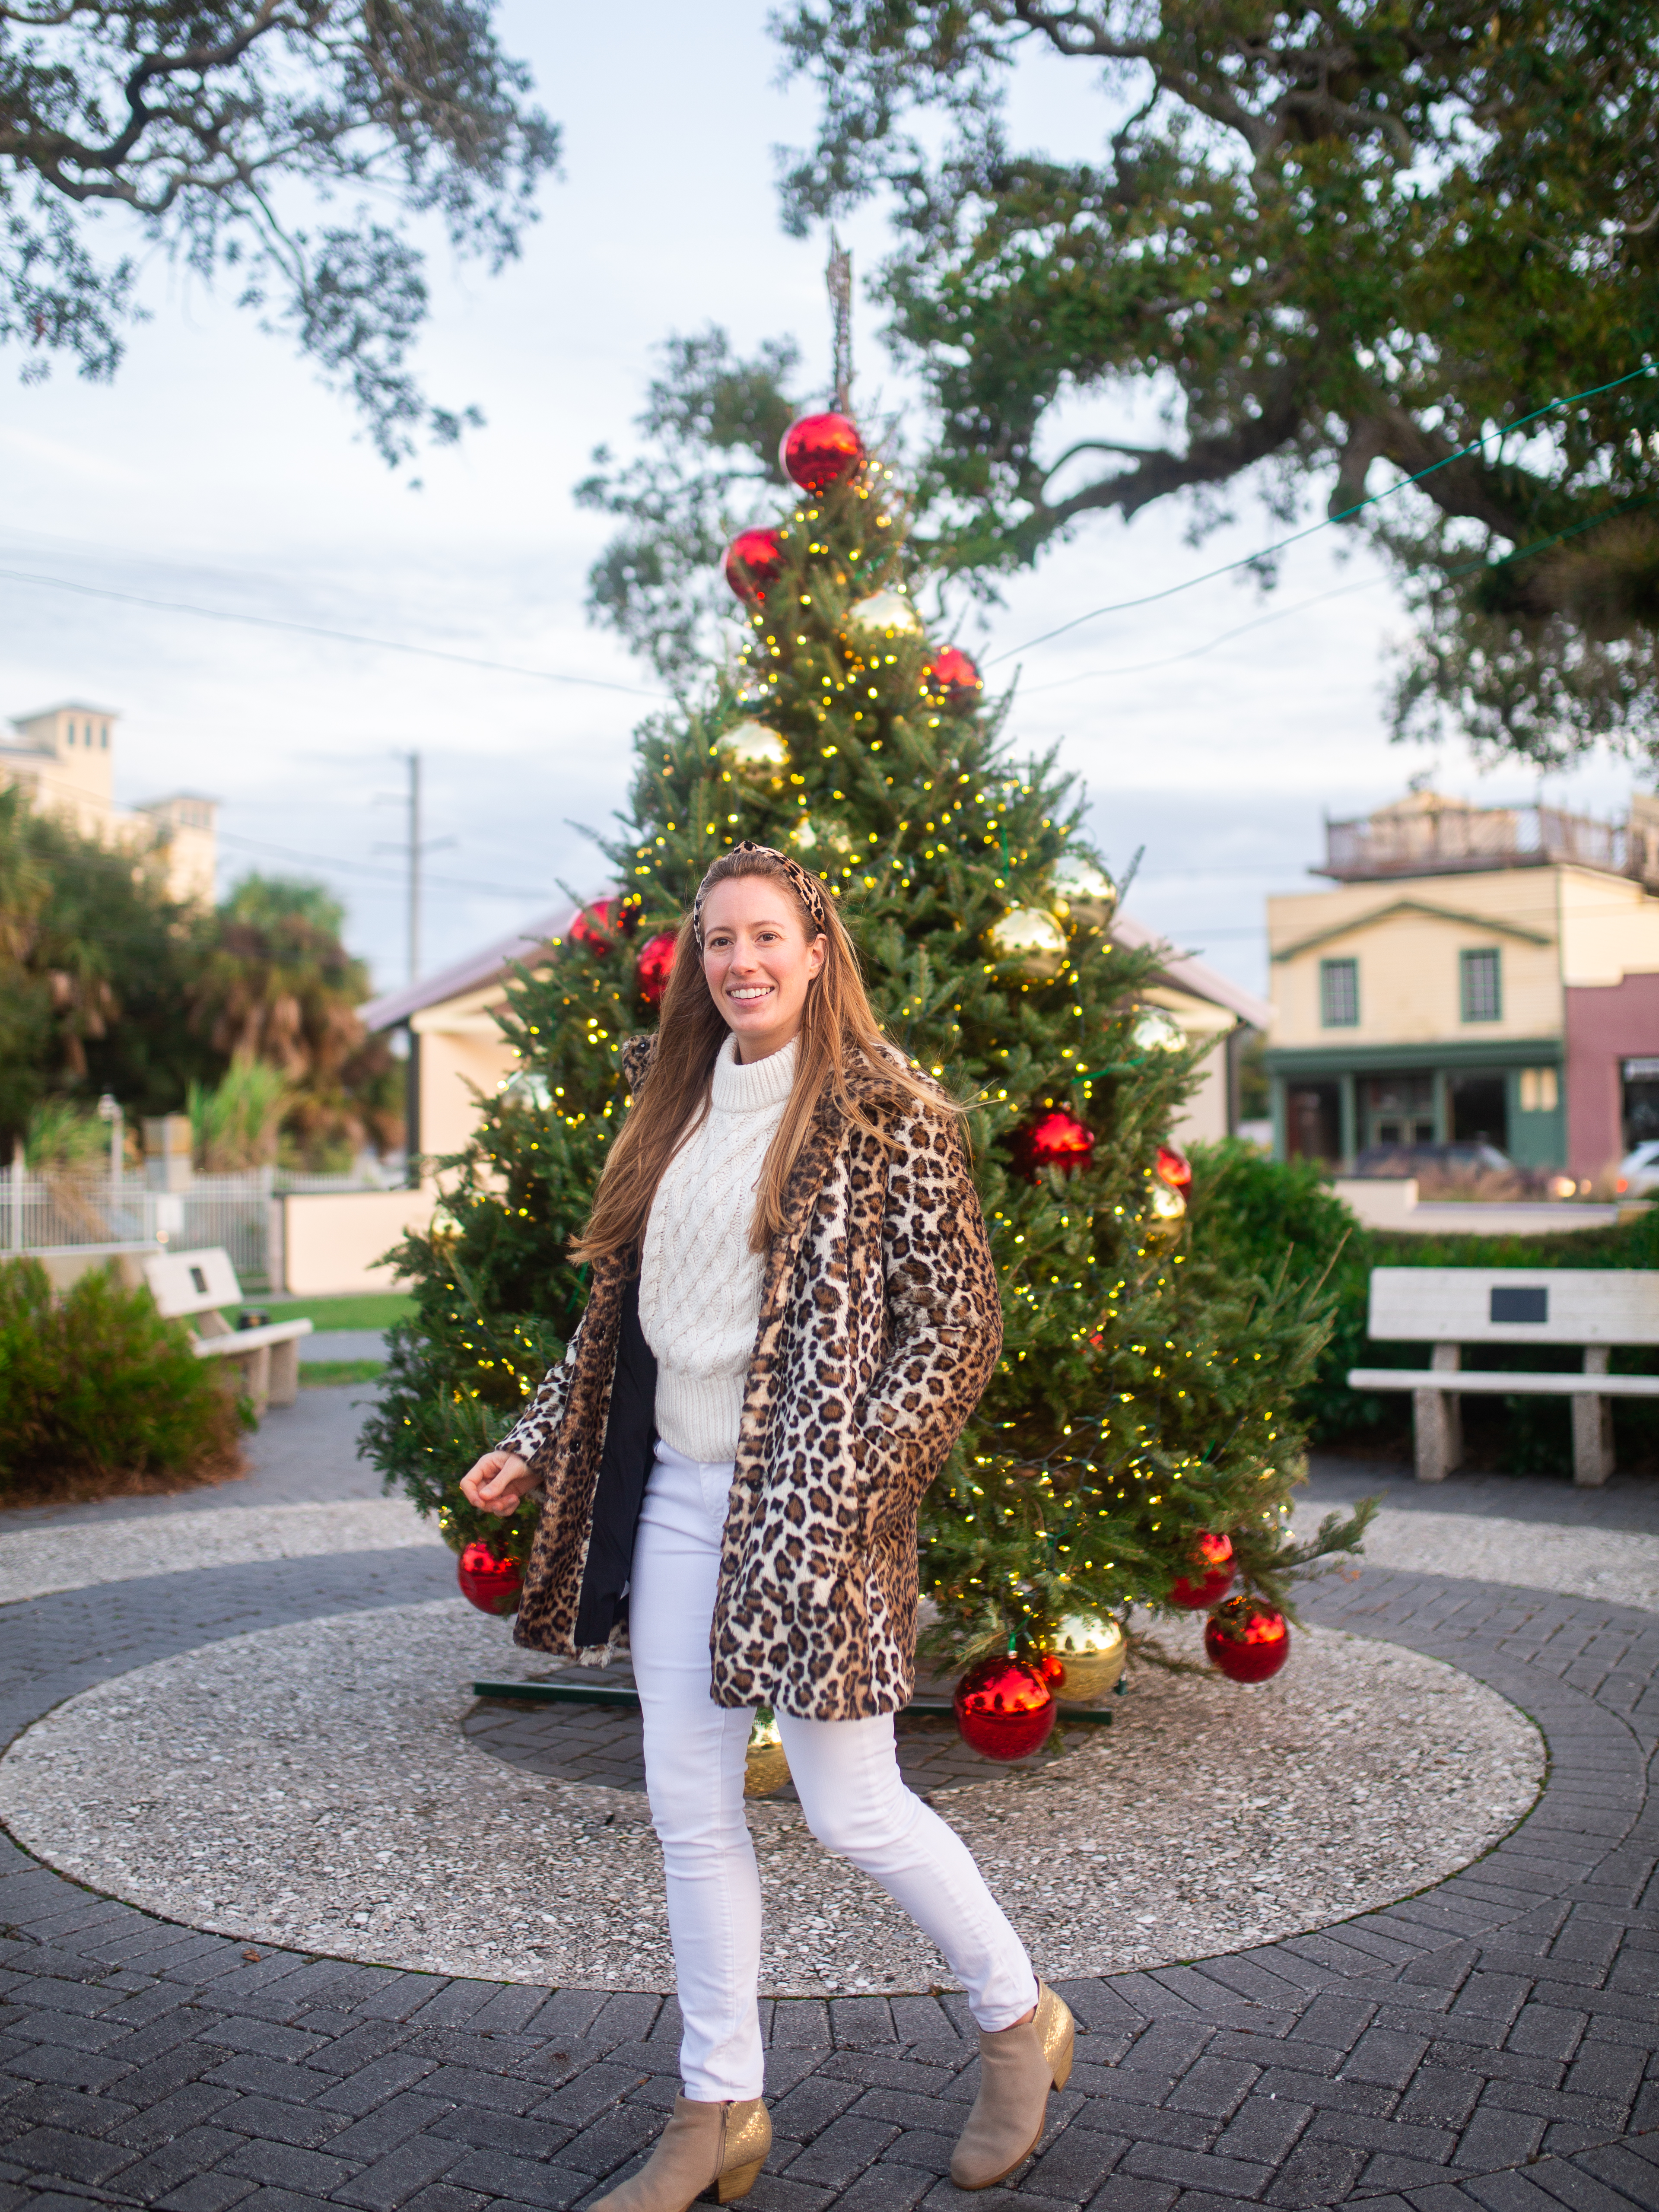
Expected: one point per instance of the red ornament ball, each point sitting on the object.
(598, 925)
(1212, 1575)
(1175, 1168)
(656, 964)
(1247, 1641)
(754, 562)
(951, 674)
(1056, 1139)
(821, 450)
(491, 1584)
(1005, 1708)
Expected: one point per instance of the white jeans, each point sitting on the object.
(844, 1771)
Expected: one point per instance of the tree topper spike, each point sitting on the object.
(838, 280)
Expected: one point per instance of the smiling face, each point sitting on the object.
(758, 961)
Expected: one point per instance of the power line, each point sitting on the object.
(382, 877)
(315, 629)
(1337, 591)
(1197, 651)
(1205, 874)
(1326, 522)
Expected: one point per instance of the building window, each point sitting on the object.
(1641, 1102)
(1339, 993)
(1539, 1090)
(1483, 993)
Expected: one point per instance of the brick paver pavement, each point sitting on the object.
(1492, 2043)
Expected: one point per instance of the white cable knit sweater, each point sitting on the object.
(700, 1283)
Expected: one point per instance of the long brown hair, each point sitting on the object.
(839, 1033)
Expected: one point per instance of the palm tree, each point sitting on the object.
(278, 987)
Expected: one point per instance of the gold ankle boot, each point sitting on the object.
(1017, 2067)
(718, 2147)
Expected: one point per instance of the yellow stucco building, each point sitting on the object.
(1474, 972)
(64, 758)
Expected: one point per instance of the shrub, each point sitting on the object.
(235, 1125)
(98, 1396)
(64, 1137)
(1257, 1215)
(1252, 1215)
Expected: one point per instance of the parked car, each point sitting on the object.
(1467, 1167)
(1639, 1171)
(1464, 1152)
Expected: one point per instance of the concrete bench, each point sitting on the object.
(193, 1286)
(1450, 1307)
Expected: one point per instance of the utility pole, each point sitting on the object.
(414, 847)
(414, 867)
(838, 278)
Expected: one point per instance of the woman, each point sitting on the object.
(793, 1311)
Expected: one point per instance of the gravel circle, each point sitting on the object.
(1620, 1565)
(310, 1786)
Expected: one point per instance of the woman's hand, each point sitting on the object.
(497, 1484)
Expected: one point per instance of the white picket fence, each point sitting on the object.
(44, 1213)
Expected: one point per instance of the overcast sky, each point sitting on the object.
(215, 473)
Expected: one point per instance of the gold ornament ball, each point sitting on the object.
(807, 837)
(1084, 893)
(1029, 939)
(887, 613)
(529, 1087)
(765, 1768)
(1154, 1030)
(1093, 1652)
(758, 749)
(1165, 1211)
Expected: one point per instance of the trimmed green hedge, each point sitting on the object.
(98, 1396)
(1257, 1215)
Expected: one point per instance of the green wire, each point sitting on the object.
(1124, 607)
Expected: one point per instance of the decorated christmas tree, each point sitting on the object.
(1137, 1446)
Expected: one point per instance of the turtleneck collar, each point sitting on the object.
(747, 1089)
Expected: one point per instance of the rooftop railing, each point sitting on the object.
(1453, 840)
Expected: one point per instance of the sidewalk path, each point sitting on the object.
(1536, 1535)
(343, 1344)
(1492, 2044)
(35, 1561)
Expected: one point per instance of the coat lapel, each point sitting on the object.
(558, 1557)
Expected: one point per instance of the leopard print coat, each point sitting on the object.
(880, 1324)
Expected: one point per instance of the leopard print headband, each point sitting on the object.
(806, 887)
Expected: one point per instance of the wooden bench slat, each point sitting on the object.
(1594, 1308)
(183, 1283)
(249, 1339)
(1461, 1381)
(1579, 1305)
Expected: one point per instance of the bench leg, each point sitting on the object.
(1437, 1421)
(1592, 1441)
(256, 1378)
(1592, 1427)
(1437, 1425)
(284, 1371)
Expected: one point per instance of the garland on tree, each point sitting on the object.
(1138, 1434)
